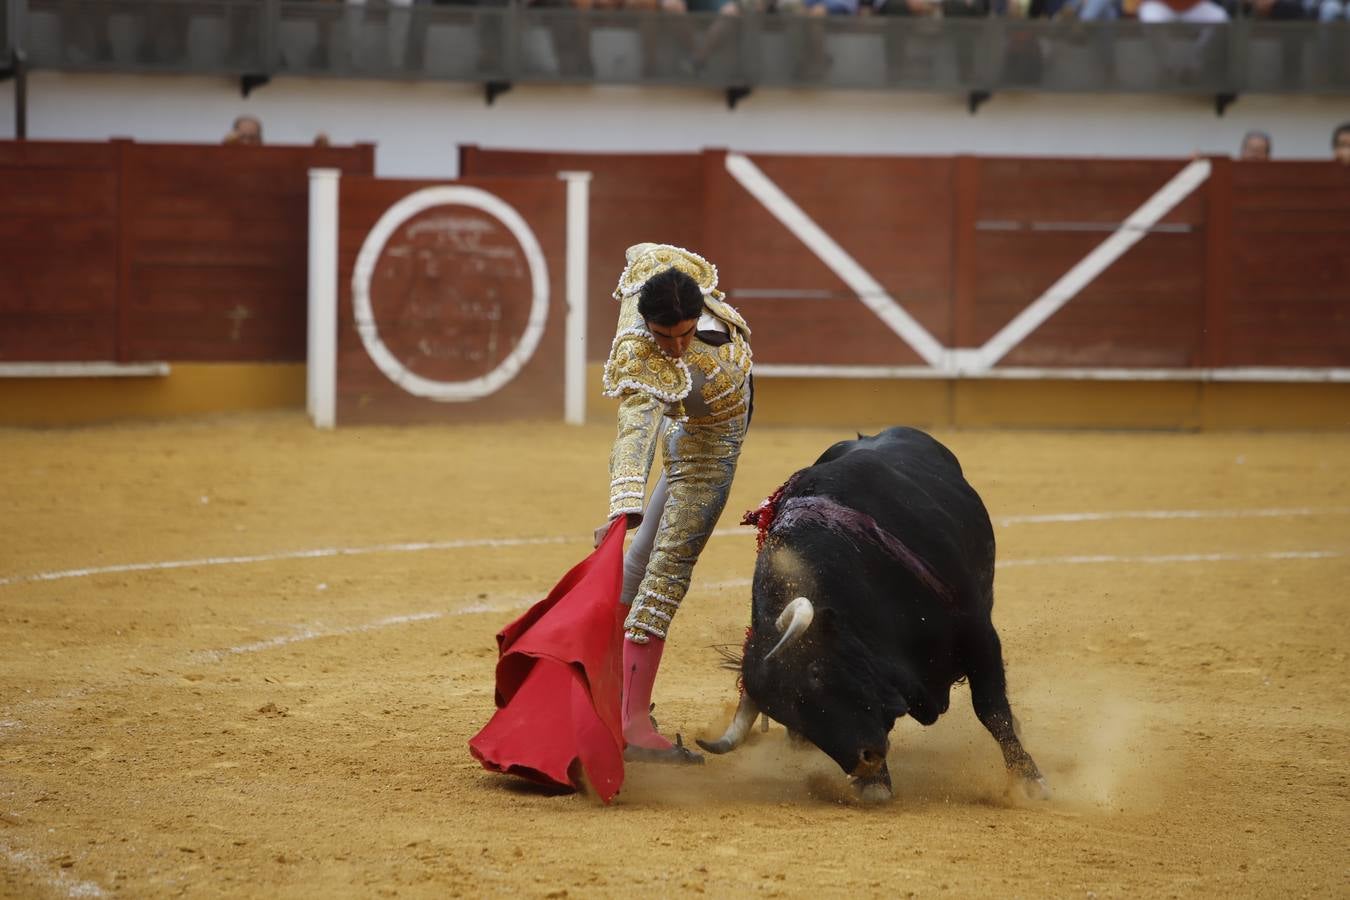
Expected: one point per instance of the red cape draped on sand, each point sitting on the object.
(559, 678)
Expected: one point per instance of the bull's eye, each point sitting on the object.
(814, 674)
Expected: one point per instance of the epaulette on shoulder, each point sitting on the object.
(636, 364)
(726, 312)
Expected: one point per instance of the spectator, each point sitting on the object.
(1255, 146)
(1083, 10)
(819, 7)
(1199, 11)
(246, 130)
(721, 28)
(1328, 10)
(813, 61)
(1340, 144)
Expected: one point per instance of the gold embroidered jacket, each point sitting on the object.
(651, 385)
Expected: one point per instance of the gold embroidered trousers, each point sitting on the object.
(699, 464)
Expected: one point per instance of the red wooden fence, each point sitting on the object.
(1249, 269)
(132, 252)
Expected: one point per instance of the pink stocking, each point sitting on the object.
(640, 662)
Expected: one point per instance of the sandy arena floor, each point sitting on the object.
(194, 702)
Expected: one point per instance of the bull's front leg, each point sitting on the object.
(989, 695)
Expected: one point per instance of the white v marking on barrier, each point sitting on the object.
(875, 297)
(1130, 232)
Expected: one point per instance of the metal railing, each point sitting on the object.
(509, 43)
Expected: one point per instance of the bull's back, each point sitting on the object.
(913, 486)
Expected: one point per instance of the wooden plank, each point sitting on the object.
(57, 251)
(1218, 261)
(34, 156)
(122, 349)
(42, 336)
(50, 281)
(1100, 191)
(216, 242)
(965, 200)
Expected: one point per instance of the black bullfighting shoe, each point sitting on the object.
(679, 755)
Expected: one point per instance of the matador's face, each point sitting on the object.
(675, 339)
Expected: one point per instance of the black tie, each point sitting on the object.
(713, 338)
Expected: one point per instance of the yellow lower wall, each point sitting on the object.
(861, 404)
(1010, 403)
(188, 389)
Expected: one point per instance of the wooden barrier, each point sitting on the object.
(994, 267)
(130, 252)
(59, 244)
(967, 276)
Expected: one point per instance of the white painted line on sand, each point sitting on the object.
(1274, 513)
(58, 880)
(309, 633)
(735, 531)
(318, 553)
(1097, 559)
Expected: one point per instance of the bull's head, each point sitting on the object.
(813, 681)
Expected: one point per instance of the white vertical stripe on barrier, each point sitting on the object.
(321, 370)
(574, 333)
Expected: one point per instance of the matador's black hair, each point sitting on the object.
(669, 298)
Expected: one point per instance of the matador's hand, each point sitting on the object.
(603, 530)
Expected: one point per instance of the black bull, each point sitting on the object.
(872, 596)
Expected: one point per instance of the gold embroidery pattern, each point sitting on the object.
(637, 364)
(630, 459)
(646, 260)
(700, 462)
(725, 369)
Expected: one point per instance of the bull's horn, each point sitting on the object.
(737, 730)
(793, 621)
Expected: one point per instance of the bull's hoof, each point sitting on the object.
(1036, 788)
(679, 755)
(872, 790)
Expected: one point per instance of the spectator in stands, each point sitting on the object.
(813, 61)
(1328, 10)
(1255, 146)
(819, 7)
(721, 28)
(246, 130)
(1084, 10)
(1340, 144)
(1200, 11)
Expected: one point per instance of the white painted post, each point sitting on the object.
(574, 332)
(321, 371)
